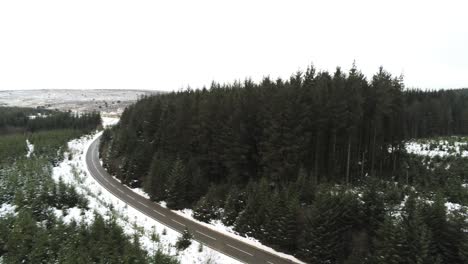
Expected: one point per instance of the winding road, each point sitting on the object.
(225, 244)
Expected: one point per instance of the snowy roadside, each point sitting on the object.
(215, 225)
(73, 170)
(218, 226)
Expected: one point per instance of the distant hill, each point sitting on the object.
(104, 100)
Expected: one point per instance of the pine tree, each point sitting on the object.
(156, 181)
(177, 186)
(436, 219)
(389, 241)
(416, 234)
(324, 231)
(205, 209)
(184, 241)
(21, 240)
(252, 218)
(290, 223)
(373, 212)
(161, 258)
(273, 227)
(233, 205)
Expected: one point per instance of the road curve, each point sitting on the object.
(225, 244)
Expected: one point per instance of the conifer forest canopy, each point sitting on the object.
(313, 165)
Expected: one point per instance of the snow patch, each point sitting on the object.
(109, 121)
(39, 115)
(30, 148)
(456, 207)
(7, 209)
(139, 191)
(433, 148)
(74, 214)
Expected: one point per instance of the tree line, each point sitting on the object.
(17, 119)
(260, 156)
(31, 232)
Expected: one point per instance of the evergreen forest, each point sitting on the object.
(32, 233)
(314, 165)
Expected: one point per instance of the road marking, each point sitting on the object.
(270, 262)
(92, 155)
(205, 235)
(159, 213)
(143, 204)
(131, 198)
(120, 190)
(240, 250)
(178, 222)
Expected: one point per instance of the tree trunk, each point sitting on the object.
(373, 150)
(316, 157)
(348, 159)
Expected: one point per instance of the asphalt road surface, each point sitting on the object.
(228, 245)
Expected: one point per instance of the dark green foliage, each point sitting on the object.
(207, 208)
(184, 241)
(102, 242)
(332, 218)
(177, 186)
(373, 212)
(416, 235)
(47, 132)
(252, 218)
(65, 196)
(246, 131)
(161, 258)
(14, 119)
(155, 183)
(449, 240)
(281, 224)
(313, 165)
(389, 246)
(234, 204)
(34, 234)
(329, 128)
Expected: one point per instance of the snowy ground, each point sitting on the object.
(442, 148)
(108, 121)
(74, 171)
(229, 230)
(7, 209)
(454, 146)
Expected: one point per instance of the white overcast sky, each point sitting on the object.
(169, 45)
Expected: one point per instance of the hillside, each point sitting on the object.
(315, 166)
(75, 100)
